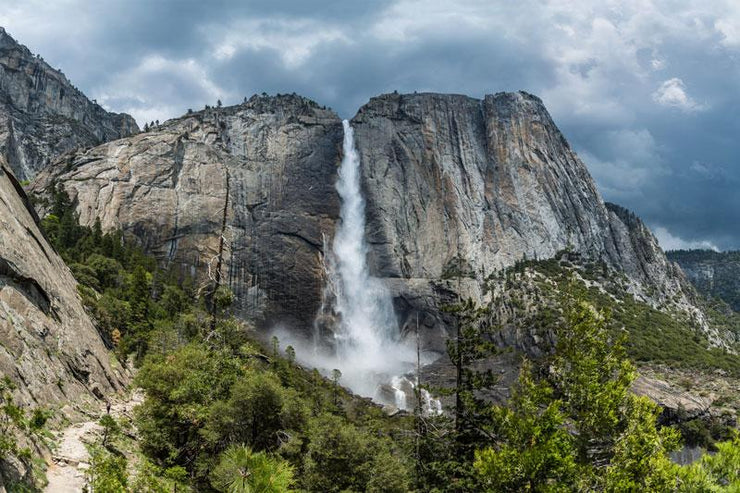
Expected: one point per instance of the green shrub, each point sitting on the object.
(240, 470)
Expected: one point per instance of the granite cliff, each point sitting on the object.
(456, 189)
(715, 274)
(459, 188)
(274, 158)
(43, 115)
(49, 347)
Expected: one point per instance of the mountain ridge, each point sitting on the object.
(42, 115)
(495, 176)
(715, 274)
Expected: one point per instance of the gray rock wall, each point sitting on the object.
(48, 344)
(715, 274)
(167, 189)
(42, 115)
(456, 189)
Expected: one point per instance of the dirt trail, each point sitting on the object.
(66, 473)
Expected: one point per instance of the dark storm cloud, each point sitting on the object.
(345, 75)
(645, 91)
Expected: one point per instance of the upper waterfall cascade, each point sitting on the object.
(368, 345)
(356, 329)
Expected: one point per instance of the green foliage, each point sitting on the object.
(17, 422)
(181, 388)
(457, 267)
(107, 271)
(703, 432)
(290, 354)
(119, 284)
(260, 413)
(579, 427)
(444, 446)
(652, 335)
(209, 387)
(591, 375)
(220, 414)
(152, 479)
(240, 470)
(223, 298)
(471, 345)
(107, 471)
(11, 419)
(719, 472)
(534, 450)
(201, 400)
(110, 428)
(640, 462)
(341, 457)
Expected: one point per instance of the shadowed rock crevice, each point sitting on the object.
(11, 275)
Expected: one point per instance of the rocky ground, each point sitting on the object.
(718, 390)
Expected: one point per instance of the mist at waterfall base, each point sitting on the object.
(366, 344)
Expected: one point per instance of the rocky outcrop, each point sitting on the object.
(715, 274)
(678, 405)
(167, 188)
(42, 115)
(48, 345)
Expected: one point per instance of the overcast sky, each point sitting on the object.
(647, 91)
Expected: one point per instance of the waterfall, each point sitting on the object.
(368, 346)
(356, 330)
(399, 393)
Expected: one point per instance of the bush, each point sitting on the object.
(107, 472)
(342, 457)
(258, 411)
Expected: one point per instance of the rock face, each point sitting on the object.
(677, 404)
(168, 188)
(715, 274)
(42, 115)
(48, 344)
(456, 188)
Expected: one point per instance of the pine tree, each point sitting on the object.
(446, 444)
(139, 296)
(578, 428)
(472, 344)
(534, 450)
(242, 471)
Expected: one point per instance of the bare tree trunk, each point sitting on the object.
(458, 381)
(458, 355)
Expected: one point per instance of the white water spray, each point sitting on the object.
(368, 345)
